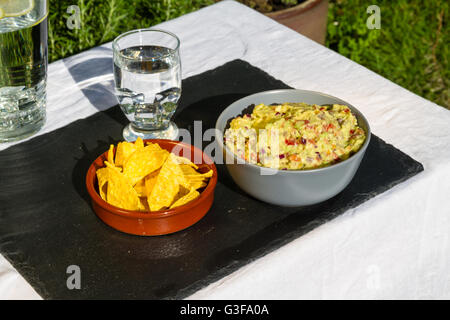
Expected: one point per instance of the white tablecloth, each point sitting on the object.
(394, 246)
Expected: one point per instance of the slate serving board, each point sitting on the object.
(47, 224)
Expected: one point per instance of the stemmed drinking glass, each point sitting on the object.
(147, 74)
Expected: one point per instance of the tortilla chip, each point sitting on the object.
(154, 146)
(197, 184)
(123, 152)
(120, 191)
(187, 169)
(140, 188)
(199, 175)
(183, 160)
(166, 186)
(139, 143)
(143, 162)
(150, 181)
(196, 180)
(192, 195)
(102, 178)
(148, 178)
(111, 154)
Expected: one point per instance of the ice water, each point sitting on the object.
(148, 85)
(23, 69)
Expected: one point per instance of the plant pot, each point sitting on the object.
(308, 18)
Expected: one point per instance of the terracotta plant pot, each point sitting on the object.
(308, 18)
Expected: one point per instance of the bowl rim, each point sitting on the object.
(271, 171)
(204, 195)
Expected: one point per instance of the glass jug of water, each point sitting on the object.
(23, 67)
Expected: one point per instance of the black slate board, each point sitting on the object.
(47, 224)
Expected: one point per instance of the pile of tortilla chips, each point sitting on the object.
(148, 178)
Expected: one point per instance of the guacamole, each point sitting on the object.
(295, 136)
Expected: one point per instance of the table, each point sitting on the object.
(394, 246)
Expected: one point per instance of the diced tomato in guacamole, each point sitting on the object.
(295, 136)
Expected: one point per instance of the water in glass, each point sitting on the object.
(148, 87)
(23, 68)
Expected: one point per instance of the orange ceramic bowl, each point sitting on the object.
(155, 222)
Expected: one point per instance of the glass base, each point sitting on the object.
(130, 134)
(23, 132)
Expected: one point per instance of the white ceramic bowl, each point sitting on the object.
(290, 187)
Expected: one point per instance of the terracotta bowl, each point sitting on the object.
(155, 222)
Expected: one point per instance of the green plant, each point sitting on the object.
(266, 6)
(411, 47)
(102, 21)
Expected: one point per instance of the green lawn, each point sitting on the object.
(410, 49)
(102, 21)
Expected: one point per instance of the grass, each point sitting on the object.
(102, 21)
(411, 48)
